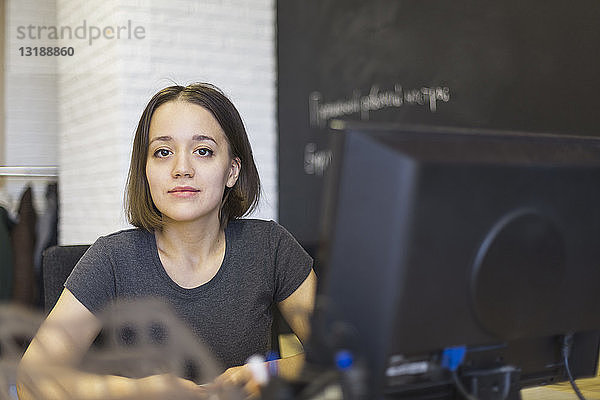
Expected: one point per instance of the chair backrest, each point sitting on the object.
(57, 264)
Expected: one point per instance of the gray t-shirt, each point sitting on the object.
(231, 313)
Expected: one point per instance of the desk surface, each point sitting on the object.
(589, 387)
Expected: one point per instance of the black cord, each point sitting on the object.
(566, 350)
(572, 381)
(461, 388)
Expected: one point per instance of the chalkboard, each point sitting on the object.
(515, 65)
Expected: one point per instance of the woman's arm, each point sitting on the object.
(46, 369)
(65, 335)
(61, 341)
(296, 309)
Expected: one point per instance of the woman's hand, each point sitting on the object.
(59, 383)
(169, 386)
(239, 377)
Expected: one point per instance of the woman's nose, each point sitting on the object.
(182, 167)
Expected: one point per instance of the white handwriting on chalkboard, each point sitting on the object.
(320, 112)
(316, 161)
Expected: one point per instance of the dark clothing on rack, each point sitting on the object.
(47, 236)
(6, 257)
(23, 245)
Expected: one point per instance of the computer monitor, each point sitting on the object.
(439, 240)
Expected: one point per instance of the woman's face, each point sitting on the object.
(189, 163)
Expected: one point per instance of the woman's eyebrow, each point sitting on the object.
(197, 138)
(202, 138)
(161, 139)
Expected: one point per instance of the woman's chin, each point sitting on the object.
(187, 218)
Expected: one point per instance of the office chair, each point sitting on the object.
(57, 264)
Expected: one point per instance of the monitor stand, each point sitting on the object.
(493, 384)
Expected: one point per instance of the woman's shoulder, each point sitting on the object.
(261, 233)
(134, 237)
(255, 227)
(120, 248)
(251, 223)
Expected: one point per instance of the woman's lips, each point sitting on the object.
(184, 191)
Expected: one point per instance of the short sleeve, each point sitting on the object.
(292, 263)
(92, 281)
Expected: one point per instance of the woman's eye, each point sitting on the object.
(160, 153)
(204, 152)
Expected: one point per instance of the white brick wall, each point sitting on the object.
(31, 110)
(92, 157)
(80, 112)
(104, 88)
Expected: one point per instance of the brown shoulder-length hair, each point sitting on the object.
(237, 201)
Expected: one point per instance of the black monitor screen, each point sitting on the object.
(436, 240)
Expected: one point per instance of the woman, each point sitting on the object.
(192, 176)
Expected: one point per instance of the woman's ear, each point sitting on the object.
(234, 171)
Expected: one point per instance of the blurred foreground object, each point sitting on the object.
(139, 339)
(17, 326)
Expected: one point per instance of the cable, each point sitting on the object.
(566, 350)
(452, 358)
(461, 388)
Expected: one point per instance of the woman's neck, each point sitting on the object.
(191, 245)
